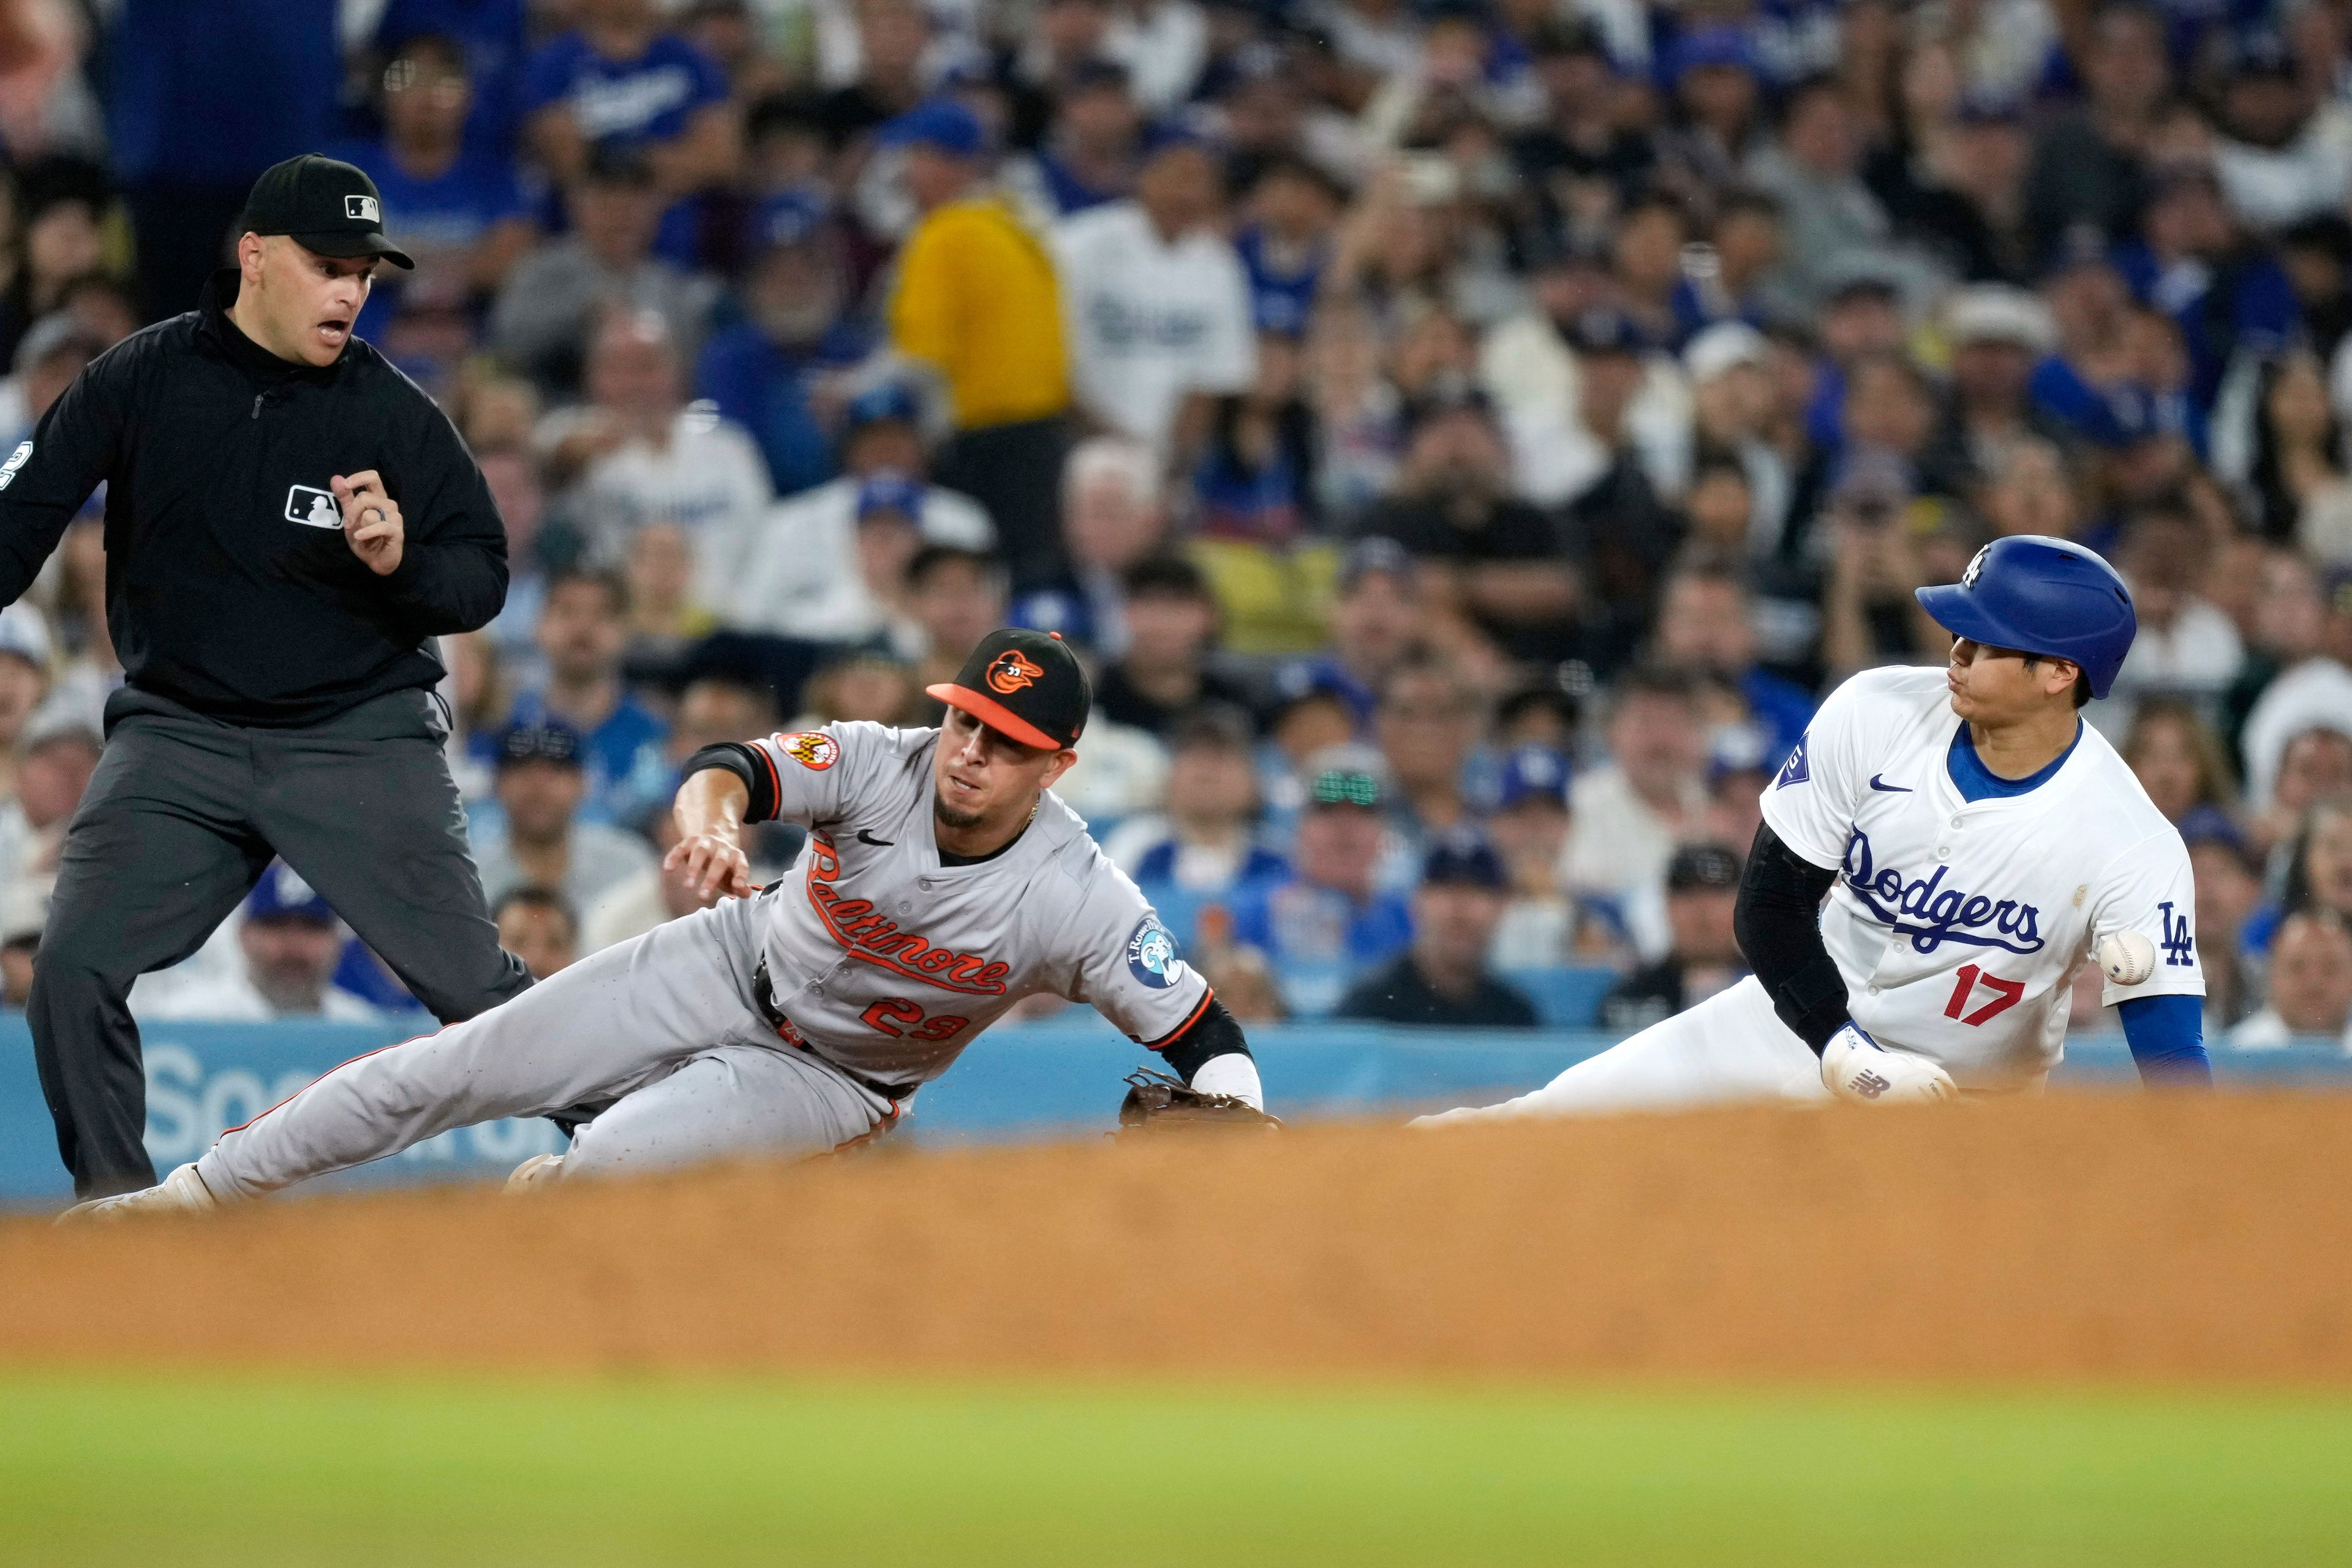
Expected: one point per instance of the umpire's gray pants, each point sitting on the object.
(179, 821)
(661, 1030)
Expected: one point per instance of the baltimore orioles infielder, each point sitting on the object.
(942, 882)
(1976, 841)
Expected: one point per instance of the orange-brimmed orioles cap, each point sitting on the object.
(1028, 685)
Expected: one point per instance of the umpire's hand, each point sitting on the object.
(372, 523)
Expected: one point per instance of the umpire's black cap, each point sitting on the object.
(323, 205)
(1024, 684)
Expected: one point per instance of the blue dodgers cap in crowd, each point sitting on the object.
(1316, 678)
(794, 217)
(1176, 135)
(2211, 825)
(886, 400)
(1464, 860)
(2083, 244)
(1603, 330)
(1717, 46)
(2214, 826)
(2129, 412)
(887, 489)
(282, 894)
(1056, 611)
(1532, 773)
(544, 741)
(942, 123)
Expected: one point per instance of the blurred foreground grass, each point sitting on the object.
(175, 1470)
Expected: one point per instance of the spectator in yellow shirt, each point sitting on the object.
(976, 298)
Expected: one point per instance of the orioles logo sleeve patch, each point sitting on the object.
(812, 749)
(1012, 671)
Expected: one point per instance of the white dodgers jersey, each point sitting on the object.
(1959, 925)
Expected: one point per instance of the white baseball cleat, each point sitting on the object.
(537, 1171)
(182, 1192)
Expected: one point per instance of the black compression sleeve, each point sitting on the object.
(1779, 923)
(734, 757)
(1215, 1033)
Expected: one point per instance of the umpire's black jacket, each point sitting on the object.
(229, 586)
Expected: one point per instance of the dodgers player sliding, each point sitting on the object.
(1971, 867)
(942, 882)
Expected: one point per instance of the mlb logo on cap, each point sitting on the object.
(364, 208)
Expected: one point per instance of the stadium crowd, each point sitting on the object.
(1465, 437)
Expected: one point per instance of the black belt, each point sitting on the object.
(763, 994)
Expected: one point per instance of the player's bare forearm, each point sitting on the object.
(709, 816)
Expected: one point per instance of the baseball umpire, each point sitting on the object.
(289, 523)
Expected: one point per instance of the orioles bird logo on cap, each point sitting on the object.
(1012, 671)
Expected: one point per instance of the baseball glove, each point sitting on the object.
(1154, 1099)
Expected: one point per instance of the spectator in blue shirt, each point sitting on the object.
(764, 371)
(496, 37)
(619, 79)
(458, 212)
(1204, 848)
(2191, 263)
(1089, 156)
(582, 627)
(1294, 207)
(1324, 923)
(1442, 978)
(204, 98)
(1706, 625)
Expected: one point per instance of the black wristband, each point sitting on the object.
(1213, 1032)
(734, 757)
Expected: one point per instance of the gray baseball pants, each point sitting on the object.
(661, 1032)
(181, 818)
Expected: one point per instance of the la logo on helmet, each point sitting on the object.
(1012, 671)
(1976, 565)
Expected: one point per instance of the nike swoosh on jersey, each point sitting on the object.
(865, 837)
(1875, 783)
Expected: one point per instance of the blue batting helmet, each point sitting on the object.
(2043, 596)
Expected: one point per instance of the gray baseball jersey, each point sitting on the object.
(888, 962)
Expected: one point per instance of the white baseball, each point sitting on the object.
(2127, 956)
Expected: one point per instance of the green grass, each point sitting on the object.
(183, 1470)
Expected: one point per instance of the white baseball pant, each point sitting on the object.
(662, 1030)
(1730, 1048)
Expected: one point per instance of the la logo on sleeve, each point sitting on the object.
(312, 508)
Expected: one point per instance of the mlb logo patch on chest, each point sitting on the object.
(313, 507)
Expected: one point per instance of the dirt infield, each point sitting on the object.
(2127, 1237)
